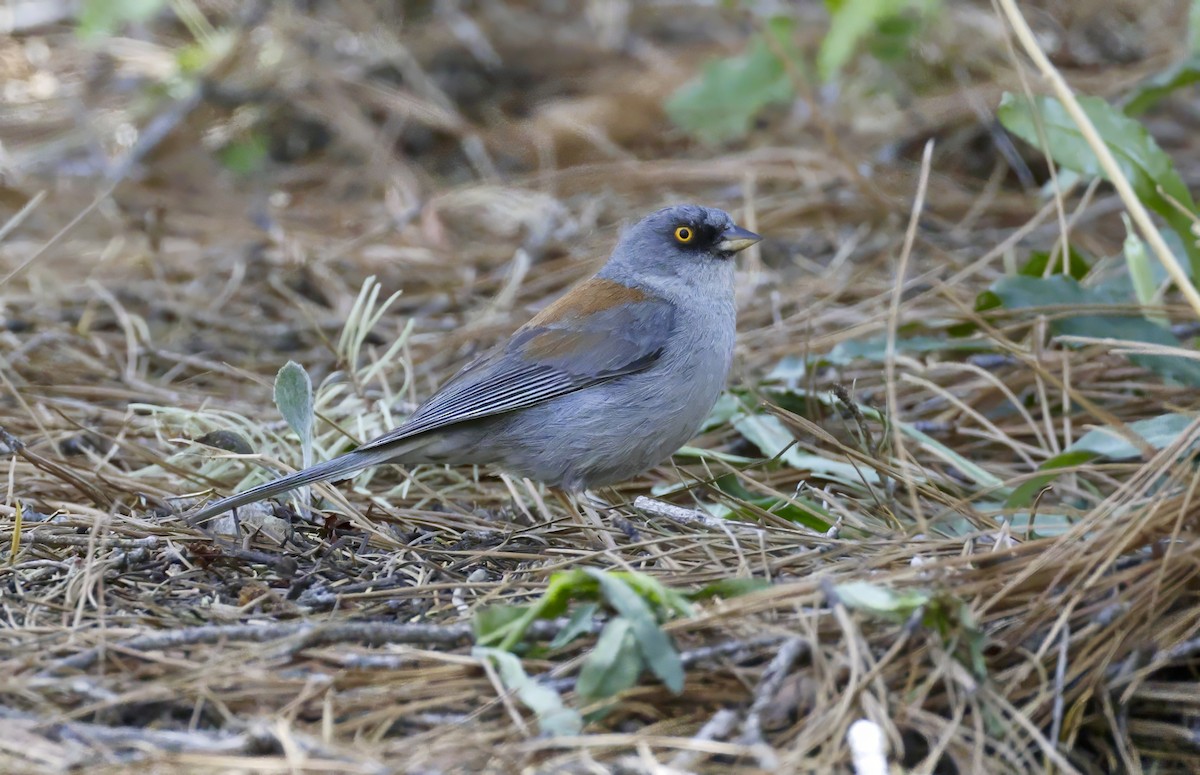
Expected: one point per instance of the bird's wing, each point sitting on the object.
(560, 351)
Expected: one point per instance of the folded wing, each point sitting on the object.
(544, 360)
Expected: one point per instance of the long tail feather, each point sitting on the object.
(330, 470)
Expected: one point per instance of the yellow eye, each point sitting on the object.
(684, 235)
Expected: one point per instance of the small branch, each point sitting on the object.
(136, 742)
(768, 687)
(719, 727)
(58, 539)
(690, 517)
(306, 634)
(740, 650)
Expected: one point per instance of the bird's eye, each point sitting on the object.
(684, 235)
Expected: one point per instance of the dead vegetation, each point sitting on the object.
(474, 159)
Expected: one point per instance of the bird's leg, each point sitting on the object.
(587, 518)
(595, 501)
(612, 515)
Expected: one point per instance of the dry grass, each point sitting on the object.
(131, 639)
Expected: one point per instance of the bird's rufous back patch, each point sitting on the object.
(588, 298)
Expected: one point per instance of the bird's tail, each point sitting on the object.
(330, 470)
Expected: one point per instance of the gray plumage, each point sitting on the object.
(606, 382)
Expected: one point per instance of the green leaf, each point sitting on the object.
(210, 48)
(1065, 293)
(768, 433)
(721, 104)
(1176, 77)
(580, 623)
(1141, 273)
(875, 348)
(722, 412)
(789, 370)
(614, 664)
(294, 398)
(966, 467)
(799, 509)
(1039, 261)
(105, 17)
(554, 718)
(1025, 492)
(730, 588)
(492, 619)
(976, 640)
(881, 601)
(1041, 524)
(854, 21)
(1103, 442)
(1035, 266)
(650, 589)
(1159, 432)
(562, 587)
(246, 155)
(1141, 160)
(802, 511)
(656, 648)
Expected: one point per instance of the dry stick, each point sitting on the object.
(307, 634)
(1109, 164)
(768, 688)
(719, 727)
(257, 739)
(910, 235)
(43, 538)
(690, 517)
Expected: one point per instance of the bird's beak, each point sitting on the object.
(736, 238)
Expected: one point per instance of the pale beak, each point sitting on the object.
(736, 238)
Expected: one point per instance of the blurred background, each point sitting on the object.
(252, 159)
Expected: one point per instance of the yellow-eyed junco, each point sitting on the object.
(604, 383)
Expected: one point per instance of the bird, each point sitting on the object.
(601, 385)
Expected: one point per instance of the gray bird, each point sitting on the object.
(603, 384)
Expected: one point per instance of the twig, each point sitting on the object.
(137, 741)
(740, 650)
(768, 687)
(307, 634)
(719, 727)
(690, 517)
(58, 539)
